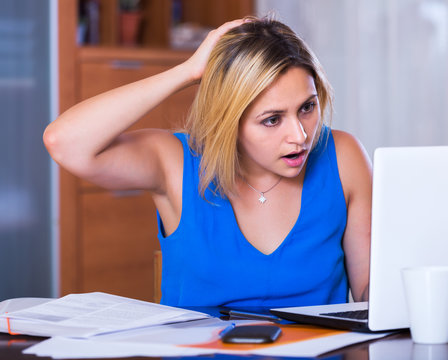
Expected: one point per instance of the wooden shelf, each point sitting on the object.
(153, 55)
(157, 18)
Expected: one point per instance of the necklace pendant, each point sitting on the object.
(262, 199)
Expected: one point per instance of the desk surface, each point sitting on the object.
(397, 346)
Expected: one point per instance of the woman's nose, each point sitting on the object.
(296, 133)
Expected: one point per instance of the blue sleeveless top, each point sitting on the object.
(207, 261)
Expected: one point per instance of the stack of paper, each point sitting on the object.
(85, 315)
(99, 325)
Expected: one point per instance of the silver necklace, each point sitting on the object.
(262, 199)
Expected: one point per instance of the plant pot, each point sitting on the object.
(130, 27)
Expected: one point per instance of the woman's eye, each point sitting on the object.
(308, 107)
(272, 121)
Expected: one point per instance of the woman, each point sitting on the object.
(259, 203)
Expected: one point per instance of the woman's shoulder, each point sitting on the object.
(348, 147)
(353, 161)
(168, 143)
(161, 147)
(155, 137)
(343, 138)
(336, 140)
(159, 142)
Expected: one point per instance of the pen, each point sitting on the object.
(251, 316)
(226, 330)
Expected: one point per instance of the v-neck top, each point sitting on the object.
(207, 261)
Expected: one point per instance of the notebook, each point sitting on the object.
(409, 228)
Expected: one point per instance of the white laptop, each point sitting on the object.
(409, 228)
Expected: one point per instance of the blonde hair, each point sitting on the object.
(244, 62)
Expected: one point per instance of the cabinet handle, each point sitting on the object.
(126, 193)
(126, 64)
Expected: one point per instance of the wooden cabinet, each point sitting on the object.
(118, 241)
(157, 17)
(107, 238)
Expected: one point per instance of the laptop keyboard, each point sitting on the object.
(357, 314)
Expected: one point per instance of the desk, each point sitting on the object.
(397, 347)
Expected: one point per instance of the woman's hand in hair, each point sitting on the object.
(198, 61)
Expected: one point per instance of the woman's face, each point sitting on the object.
(277, 130)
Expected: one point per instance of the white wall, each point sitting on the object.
(387, 61)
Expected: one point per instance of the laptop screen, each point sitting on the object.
(409, 225)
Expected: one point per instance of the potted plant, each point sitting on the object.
(130, 20)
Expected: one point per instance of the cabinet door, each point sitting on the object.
(97, 77)
(119, 237)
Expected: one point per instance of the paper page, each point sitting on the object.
(63, 348)
(158, 341)
(195, 338)
(319, 346)
(297, 341)
(94, 313)
(185, 333)
(20, 303)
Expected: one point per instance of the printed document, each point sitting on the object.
(85, 315)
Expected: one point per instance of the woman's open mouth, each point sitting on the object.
(295, 159)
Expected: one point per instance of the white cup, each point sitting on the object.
(426, 292)
(430, 352)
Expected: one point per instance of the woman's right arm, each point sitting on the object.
(89, 140)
